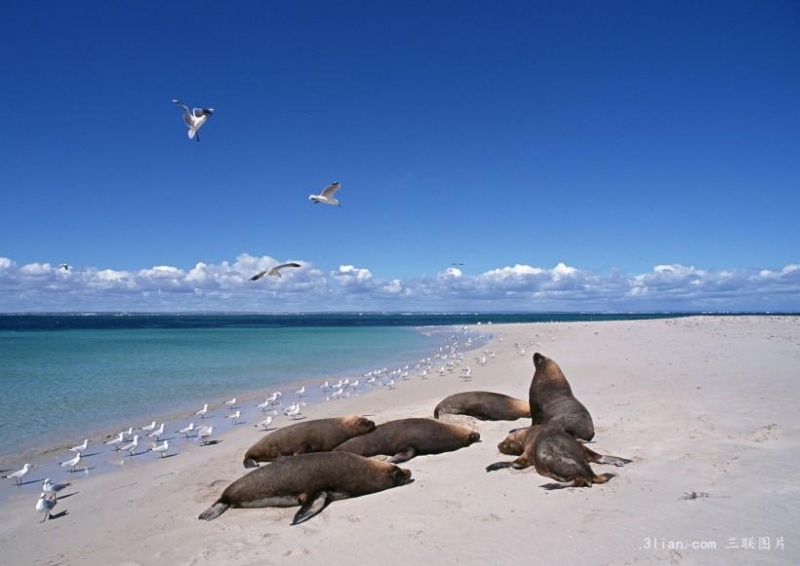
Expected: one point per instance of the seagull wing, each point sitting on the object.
(275, 270)
(328, 191)
(259, 275)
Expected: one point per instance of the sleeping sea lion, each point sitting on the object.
(555, 454)
(405, 438)
(552, 402)
(484, 405)
(309, 480)
(320, 435)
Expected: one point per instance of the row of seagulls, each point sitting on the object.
(194, 118)
(19, 474)
(274, 271)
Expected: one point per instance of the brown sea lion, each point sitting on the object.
(320, 435)
(555, 454)
(484, 405)
(309, 480)
(405, 438)
(552, 402)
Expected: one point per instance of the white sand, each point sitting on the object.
(703, 404)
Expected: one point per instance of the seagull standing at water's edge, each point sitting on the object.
(81, 447)
(202, 412)
(326, 197)
(71, 463)
(130, 448)
(194, 118)
(19, 474)
(52, 489)
(161, 449)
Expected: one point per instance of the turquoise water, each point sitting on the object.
(60, 386)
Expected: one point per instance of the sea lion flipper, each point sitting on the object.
(613, 460)
(403, 456)
(214, 511)
(311, 507)
(498, 466)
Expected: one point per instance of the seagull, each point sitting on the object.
(293, 412)
(235, 417)
(205, 434)
(157, 432)
(45, 505)
(65, 266)
(160, 448)
(19, 474)
(230, 403)
(186, 430)
(300, 392)
(130, 448)
(80, 447)
(194, 118)
(274, 271)
(71, 463)
(149, 428)
(202, 412)
(117, 441)
(52, 489)
(265, 423)
(326, 196)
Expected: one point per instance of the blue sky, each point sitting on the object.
(619, 155)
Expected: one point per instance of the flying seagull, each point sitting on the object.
(276, 271)
(64, 266)
(194, 118)
(326, 196)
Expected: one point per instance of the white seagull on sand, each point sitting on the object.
(234, 417)
(194, 118)
(131, 447)
(81, 447)
(157, 432)
(205, 433)
(293, 412)
(326, 197)
(52, 489)
(300, 392)
(115, 442)
(231, 402)
(265, 423)
(45, 505)
(149, 428)
(161, 449)
(71, 463)
(274, 271)
(19, 474)
(202, 412)
(186, 430)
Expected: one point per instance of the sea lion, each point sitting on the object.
(320, 435)
(552, 402)
(309, 480)
(556, 454)
(484, 405)
(405, 438)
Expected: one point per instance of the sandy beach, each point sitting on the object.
(704, 406)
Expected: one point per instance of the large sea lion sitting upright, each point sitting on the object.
(552, 401)
(308, 480)
(484, 405)
(405, 438)
(555, 454)
(320, 435)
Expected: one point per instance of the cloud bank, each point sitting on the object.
(225, 287)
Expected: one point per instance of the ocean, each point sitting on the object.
(69, 377)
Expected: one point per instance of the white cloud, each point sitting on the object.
(225, 286)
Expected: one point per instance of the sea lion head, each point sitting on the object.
(400, 476)
(360, 425)
(514, 443)
(473, 437)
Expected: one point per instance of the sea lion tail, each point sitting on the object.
(214, 511)
(498, 466)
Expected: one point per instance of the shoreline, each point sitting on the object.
(104, 459)
(702, 405)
